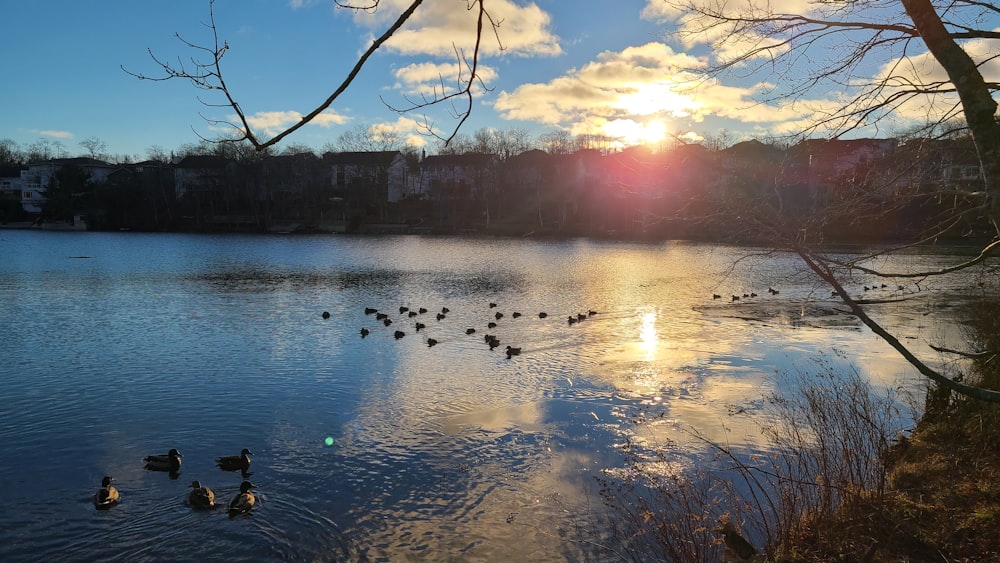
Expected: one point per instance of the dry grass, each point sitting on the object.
(839, 482)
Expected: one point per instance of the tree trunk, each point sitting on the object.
(977, 102)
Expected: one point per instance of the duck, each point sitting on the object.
(445, 310)
(440, 316)
(420, 326)
(422, 310)
(201, 497)
(736, 543)
(491, 324)
(411, 314)
(326, 314)
(492, 305)
(470, 331)
(511, 351)
(364, 332)
(571, 319)
(431, 342)
(387, 322)
(542, 315)
(107, 496)
(399, 334)
(170, 462)
(499, 315)
(515, 314)
(235, 462)
(591, 312)
(369, 310)
(716, 296)
(243, 502)
(403, 310)
(381, 316)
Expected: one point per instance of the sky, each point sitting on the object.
(580, 66)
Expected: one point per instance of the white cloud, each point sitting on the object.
(641, 90)
(436, 79)
(923, 69)
(273, 122)
(440, 27)
(55, 134)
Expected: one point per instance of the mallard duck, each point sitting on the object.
(243, 502)
(107, 496)
(511, 351)
(201, 497)
(737, 543)
(235, 462)
(170, 462)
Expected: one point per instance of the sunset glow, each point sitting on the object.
(631, 133)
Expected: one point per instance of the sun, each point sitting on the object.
(632, 133)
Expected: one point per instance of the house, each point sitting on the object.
(39, 176)
(198, 174)
(459, 176)
(383, 176)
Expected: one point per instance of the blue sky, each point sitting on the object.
(582, 66)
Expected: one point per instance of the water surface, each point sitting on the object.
(120, 345)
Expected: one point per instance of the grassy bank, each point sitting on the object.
(942, 501)
(837, 481)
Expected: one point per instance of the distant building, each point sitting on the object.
(39, 176)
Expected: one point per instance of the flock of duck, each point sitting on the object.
(420, 314)
(736, 297)
(200, 496)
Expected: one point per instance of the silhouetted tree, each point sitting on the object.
(790, 48)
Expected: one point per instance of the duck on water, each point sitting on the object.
(244, 501)
(171, 461)
(235, 462)
(107, 496)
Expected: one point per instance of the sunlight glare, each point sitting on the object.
(648, 335)
(633, 133)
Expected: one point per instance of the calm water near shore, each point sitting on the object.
(119, 345)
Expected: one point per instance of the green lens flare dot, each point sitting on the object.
(328, 441)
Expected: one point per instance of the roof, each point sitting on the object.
(373, 158)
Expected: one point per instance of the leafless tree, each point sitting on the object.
(503, 143)
(558, 141)
(369, 138)
(204, 71)
(831, 45)
(95, 147)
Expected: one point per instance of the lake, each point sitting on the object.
(120, 345)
